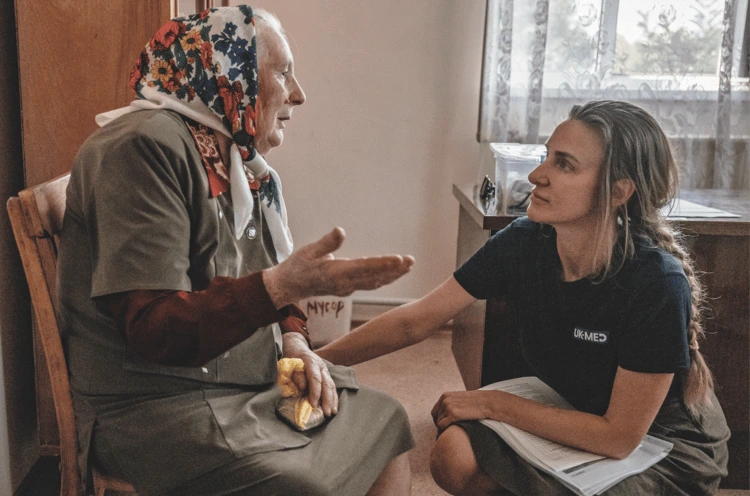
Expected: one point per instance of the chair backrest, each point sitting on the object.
(36, 216)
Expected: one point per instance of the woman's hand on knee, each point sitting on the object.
(455, 406)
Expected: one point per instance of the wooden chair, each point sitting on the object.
(36, 216)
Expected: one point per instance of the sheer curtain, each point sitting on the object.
(685, 61)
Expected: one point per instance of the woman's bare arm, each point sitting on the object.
(400, 327)
(635, 401)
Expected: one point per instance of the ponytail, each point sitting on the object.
(697, 382)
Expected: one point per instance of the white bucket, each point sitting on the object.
(328, 318)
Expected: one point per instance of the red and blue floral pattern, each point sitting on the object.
(212, 56)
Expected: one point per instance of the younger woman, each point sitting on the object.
(594, 254)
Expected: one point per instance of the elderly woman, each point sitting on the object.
(177, 282)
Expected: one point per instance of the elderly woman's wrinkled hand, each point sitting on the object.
(313, 271)
(315, 381)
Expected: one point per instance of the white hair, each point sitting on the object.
(265, 20)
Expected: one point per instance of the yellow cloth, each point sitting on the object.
(302, 409)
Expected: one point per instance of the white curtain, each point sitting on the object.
(681, 60)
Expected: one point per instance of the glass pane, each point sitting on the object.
(572, 34)
(668, 36)
(185, 8)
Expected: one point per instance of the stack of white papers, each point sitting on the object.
(684, 209)
(583, 473)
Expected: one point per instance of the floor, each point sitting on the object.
(416, 376)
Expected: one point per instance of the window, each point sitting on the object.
(670, 44)
(655, 37)
(684, 61)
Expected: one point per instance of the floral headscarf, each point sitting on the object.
(211, 56)
(205, 67)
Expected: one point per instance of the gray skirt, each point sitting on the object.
(694, 467)
(195, 453)
(343, 457)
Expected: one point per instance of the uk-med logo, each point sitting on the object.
(599, 337)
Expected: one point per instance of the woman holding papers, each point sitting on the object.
(609, 310)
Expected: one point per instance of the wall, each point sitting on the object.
(18, 448)
(389, 125)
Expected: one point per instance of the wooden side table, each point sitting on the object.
(721, 247)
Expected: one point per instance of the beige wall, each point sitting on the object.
(390, 122)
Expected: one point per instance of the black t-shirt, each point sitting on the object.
(574, 335)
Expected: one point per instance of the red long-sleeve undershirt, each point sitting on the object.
(191, 328)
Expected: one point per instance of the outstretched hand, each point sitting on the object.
(314, 271)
